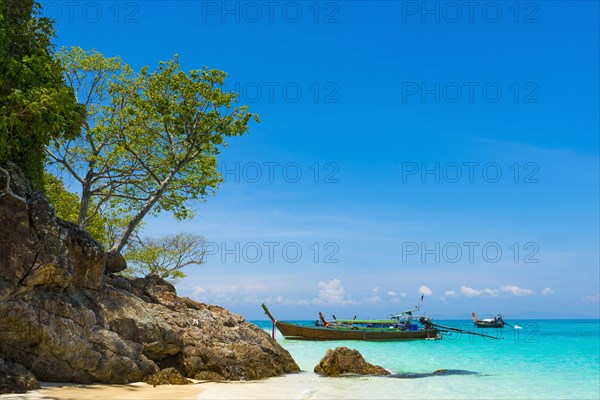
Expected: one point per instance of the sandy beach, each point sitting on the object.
(132, 391)
(305, 385)
(301, 386)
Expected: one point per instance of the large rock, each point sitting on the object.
(15, 378)
(66, 320)
(37, 249)
(193, 337)
(344, 361)
(115, 262)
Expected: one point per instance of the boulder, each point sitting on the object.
(115, 262)
(65, 320)
(209, 376)
(167, 376)
(344, 361)
(15, 378)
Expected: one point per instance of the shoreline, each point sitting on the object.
(308, 385)
(301, 385)
(524, 366)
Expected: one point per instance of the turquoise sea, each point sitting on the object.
(549, 359)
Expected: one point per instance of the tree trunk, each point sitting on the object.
(86, 196)
(84, 207)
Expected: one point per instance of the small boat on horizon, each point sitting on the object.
(496, 322)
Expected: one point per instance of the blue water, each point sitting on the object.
(544, 359)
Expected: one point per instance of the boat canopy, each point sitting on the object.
(367, 321)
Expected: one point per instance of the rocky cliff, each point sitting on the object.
(65, 318)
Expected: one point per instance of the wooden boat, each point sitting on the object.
(340, 329)
(496, 322)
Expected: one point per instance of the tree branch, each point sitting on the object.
(7, 190)
(66, 164)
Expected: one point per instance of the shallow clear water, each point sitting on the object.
(544, 359)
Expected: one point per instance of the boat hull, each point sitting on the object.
(489, 324)
(298, 332)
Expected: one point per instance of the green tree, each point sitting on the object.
(35, 103)
(164, 257)
(66, 206)
(162, 131)
(95, 158)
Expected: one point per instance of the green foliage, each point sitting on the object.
(35, 103)
(151, 140)
(65, 203)
(94, 158)
(66, 206)
(164, 257)
(181, 120)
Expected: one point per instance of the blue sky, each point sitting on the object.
(404, 148)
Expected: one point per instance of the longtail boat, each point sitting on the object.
(496, 322)
(395, 328)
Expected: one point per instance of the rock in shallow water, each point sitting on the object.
(439, 372)
(65, 320)
(344, 361)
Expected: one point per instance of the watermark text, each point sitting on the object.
(469, 172)
(275, 171)
(469, 252)
(470, 92)
(253, 12)
(125, 12)
(272, 252)
(453, 12)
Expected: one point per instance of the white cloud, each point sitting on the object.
(286, 301)
(514, 290)
(517, 291)
(332, 292)
(470, 292)
(425, 290)
(231, 294)
(594, 298)
(372, 300)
